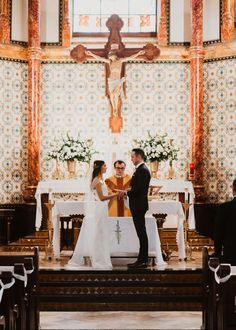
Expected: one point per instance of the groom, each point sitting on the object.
(138, 203)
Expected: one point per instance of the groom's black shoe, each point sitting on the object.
(133, 264)
(138, 264)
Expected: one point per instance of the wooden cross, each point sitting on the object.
(115, 55)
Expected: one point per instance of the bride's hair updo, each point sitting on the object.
(97, 165)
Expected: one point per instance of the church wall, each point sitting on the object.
(13, 130)
(73, 98)
(219, 128)
(157, 98)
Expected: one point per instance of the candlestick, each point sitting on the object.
(186, 195)
(49, 254)
(188, 245)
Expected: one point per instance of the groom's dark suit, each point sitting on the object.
(138, 203)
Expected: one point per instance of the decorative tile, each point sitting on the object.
(13, 130)
(73, 98)
(219, 128)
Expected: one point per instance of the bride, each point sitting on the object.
(94, 238)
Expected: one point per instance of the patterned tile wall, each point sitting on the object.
(13, 130)
(219, 128)
(157, 99)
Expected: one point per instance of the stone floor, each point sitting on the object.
(120, 320)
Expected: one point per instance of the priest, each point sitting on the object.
(120, 181)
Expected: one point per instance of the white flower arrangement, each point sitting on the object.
(54, 152)
(157, 148)
(72, 149)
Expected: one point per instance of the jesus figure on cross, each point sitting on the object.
(115, 55)
(115, 77)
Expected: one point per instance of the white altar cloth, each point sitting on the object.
(178, 186)
(65, 208)
(171, 208)
(124, 240)
(82, 186)
(57, 186)
(174, 186)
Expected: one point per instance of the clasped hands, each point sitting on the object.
(121, 193)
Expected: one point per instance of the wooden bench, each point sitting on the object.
(219, 308)
(2, 322)
(8, 306)
(30, 262)
(210, 288)
(20, 278)
(226, 298)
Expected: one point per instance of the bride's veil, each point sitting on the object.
(89, 196)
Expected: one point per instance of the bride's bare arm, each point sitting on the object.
(102, 197)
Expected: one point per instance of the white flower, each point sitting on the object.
(157, 147)
(71, 148)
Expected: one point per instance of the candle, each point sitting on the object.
(191, 168)
(49, 195)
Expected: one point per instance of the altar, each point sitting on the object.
(123, 238)
(63, 193)
(127, 242)
(81, 186)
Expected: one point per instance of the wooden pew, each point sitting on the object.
(20, 277)
(219, 304)
(2, 323)
(20, 293)
(30, 261)
(8, 307)
(226, 295)
(210, 291)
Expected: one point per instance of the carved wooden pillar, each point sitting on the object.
(4, 22)
(34, 66)
(162, 29)
(66, 37)
(227, 26)
(196, 67)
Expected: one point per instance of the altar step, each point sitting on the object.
(138, 290)
(39, 238)
(168, 239)
(196, 241)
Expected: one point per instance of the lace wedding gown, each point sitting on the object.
(94, 237)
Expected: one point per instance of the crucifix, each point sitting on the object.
(118, 232)
(115, 55)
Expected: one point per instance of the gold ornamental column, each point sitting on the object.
(227, 26)
(196, 72)
(34, 78)
(4, 22)
(66, 37)
(162, 29)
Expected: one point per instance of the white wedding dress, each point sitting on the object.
(94, 238)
